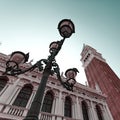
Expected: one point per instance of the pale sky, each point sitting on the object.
(31, 25)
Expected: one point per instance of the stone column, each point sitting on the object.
(55, 109)
(110, 115)
(107, 113)
(3, 94)
(57, 105)
(61, 104)
(93, 111)
(80, 108)
(9, 90)
(90, 111)
(53, 105)
(74, 107)
(104, 114)
(64, 95)
(14, 95)
(31, 99)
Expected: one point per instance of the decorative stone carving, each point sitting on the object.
(56, 93)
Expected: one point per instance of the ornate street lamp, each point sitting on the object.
(13, 67)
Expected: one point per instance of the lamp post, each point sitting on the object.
(66, 28)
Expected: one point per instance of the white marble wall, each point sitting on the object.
(11, 91)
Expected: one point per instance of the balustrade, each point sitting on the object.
(14, 112)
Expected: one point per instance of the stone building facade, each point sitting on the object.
(17, 94)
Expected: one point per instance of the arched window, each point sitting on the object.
(85, 110)
(68, 107)
(47, 103)
(23, 96)
(99, 112)
(3, 82)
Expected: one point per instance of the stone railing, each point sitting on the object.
(48, 116)
(18, 113)
(12, 112)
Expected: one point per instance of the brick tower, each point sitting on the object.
(101, 77)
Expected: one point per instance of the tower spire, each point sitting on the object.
(88, 53)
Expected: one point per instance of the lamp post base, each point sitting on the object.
(31, 118)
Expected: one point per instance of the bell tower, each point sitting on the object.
(101, 77)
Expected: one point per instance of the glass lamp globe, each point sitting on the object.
(66, 28)
(19, 57)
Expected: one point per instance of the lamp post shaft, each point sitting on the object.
(35, 108)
